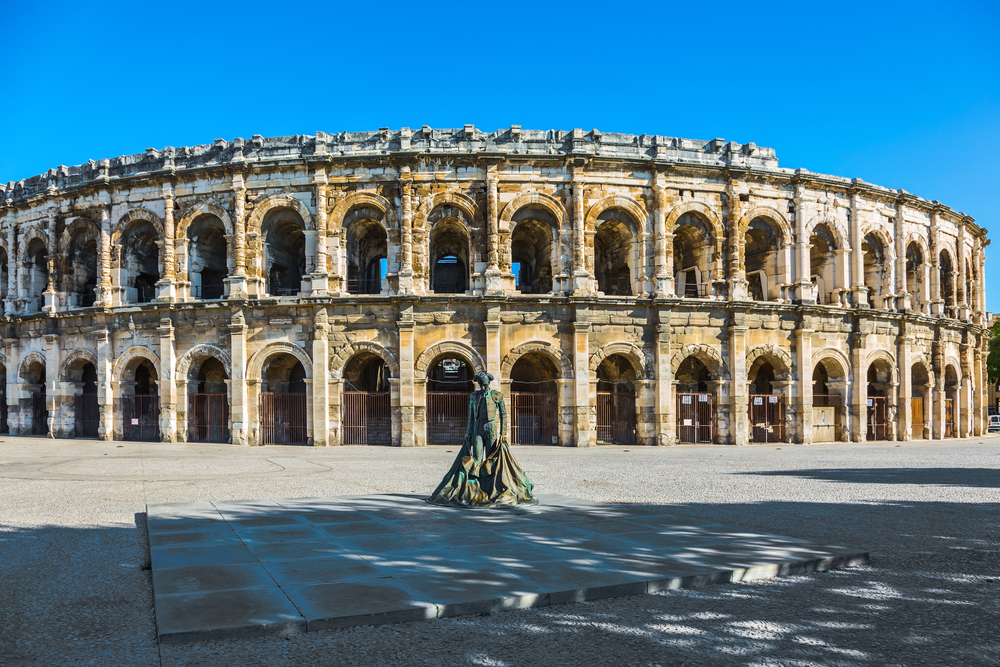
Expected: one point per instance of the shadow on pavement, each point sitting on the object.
(982, 478)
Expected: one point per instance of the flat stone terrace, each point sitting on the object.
(275, 567)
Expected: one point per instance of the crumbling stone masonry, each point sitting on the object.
(340, 288)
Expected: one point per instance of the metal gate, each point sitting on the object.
(367, 418)
(917, 417)
(282, 418)
(208, 417)
(39, 414)
(826, 413)
(87, 417)
(878, 427)
(4, 429)
(767, 418)
(615, 418)
(949, 418)
(447, 417)
(695, 418)
(141, 416)
(533, 419)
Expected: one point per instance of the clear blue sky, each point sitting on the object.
(905, 95)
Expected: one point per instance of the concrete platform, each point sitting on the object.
(272, 567)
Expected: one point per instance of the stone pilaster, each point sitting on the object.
(165, 288)
(963, 411)
(10, 303)
(320, 276)
(585, 433)
(52, 397)
(904, 417)
(666, 428)
(238, 411)
(168, 389)
(940, 405)
(937, 300)
(407, 404)
(105, 296)
(739, 432)
(859, 394)
(493, 274)
(50, 299)
(581, 277)
(321, 374)
(858, 290)
(805, 289)
(903, 300)
(105, 393)
(237, 279)
(803, 371)
(663, 285)
(405, 279)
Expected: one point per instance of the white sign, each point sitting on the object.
(772, 399)
(871, 402)
(685, 400)
(758, 400)
(135, 422)
(687, 422)
(703, 398)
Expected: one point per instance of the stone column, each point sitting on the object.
(320, 276)
(321, 375)
(237, 279)
(10, 303)
(738, 286)
(585, 435)
(52, 398)
(105, 395)
(903, 300)
(581, 277)
(12, 392)
(493, 274)
(493, 346)
(963, 411)
(238, 399)
(939, 394)
(904, 416)
(937, 301)
(407, 409)
(405, 281)
(977, 392)
(105, 290)
(858, 289)
(165, 289)
(738, 419)
(803, 368)
(960, 285)
(663, 285)
(50, 300)
(859, 395)
(168, 390)
(803, 271)
(665, 426)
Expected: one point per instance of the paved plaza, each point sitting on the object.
(78, 582)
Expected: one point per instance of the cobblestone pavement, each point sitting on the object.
(74, 588)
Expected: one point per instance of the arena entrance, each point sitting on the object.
(951, 386)
(616, 401)
(208, 405)
(4, 428)
(141, 405)
(283, 401)
(879, 381)
(695, 403)
(366, 401)
(827, 405)
(919, 405)
(449, 385)
(534, 401)
(87, 411)
(766, 408)
(33, 381)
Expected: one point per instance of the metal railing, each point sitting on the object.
(364, 285)
(210, 291)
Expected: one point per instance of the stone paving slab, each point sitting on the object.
(275, 567)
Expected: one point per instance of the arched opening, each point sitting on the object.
(207, 261)
(80, 268)
(614, 246)
(449, 385)
(531, 251)
(828, 401)
(284, 251)
(822, 270)
(140, 402)
(915, 274)
(766, 405)
(876, 270)
(692, 256)
(973, 283)
(951, 386)
(881, 414)
(4, 426)
(4, 274)
(140, 267)
(616, 418)
(37, 273)
(33, 383)
(947, 271)
(367, 251)
(534, 400)
(449, 257)
(208, 401)
(87, 413)
(760, 244)
(920, 404)
(695, 402)
(969, 303)
(283, 401)
(367, 401)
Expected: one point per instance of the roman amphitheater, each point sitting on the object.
(344, 288)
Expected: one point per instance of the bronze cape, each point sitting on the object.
(484, 473)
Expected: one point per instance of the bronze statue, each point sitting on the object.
(485, 473)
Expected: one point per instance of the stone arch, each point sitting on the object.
(886, 356)
(544, 347)
(78, 224)
(199, 351)
(364, 198)
(770, 214)
(125, 359)
(702, 209)
(29, 236)
(29, 359)
(915, 237)
(136, 215)
(707, 354)
(632, 207)
(463, 202)
(837, 356)
(444, 347)
(885, 238)
(840, 235)
(641, 364)
(783, 367)
(548, 202)
(279, 201)
(206, 207)
(339, 360)
(953, 361)
(260, 357)
(79, 354)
